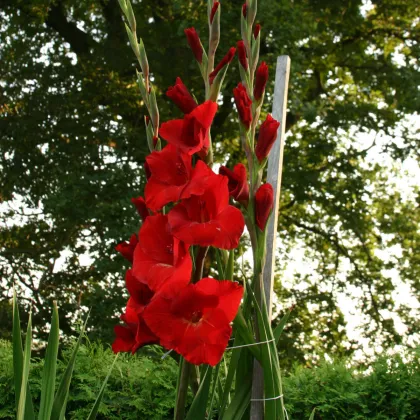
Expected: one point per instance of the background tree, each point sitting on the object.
(72, 146)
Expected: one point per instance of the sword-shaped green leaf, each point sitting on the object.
(198, 407)
(50, 367)
(25, 371)
(60, 400)
(18, 362)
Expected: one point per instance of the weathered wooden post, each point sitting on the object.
(274, 172)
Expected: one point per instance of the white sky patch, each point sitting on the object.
(366, 7)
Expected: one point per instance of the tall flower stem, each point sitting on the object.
(181, 397)
(187, 372)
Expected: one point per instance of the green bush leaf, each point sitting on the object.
(93, 413)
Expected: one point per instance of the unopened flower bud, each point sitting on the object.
(194, 43)
(264, 201)
(225, 60)
(242, 54)
(243, 104)
(266, 138)
(181, 97)
(214, 10)
(261, 79)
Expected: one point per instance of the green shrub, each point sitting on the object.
(143, 387)
(390, 391)
(139, 387)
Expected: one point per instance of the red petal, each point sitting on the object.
(144, 335)
(141, 265)
(155, 239)
(171, 131)
(166, 164)
(158, 194)
(229, 294)
(124, 340)
(206, 342)
(231, 223)
(198, 182)
(162, 321)
(223, 232)
(205, 113)
(139, 291)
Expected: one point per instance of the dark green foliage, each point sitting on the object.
(139, 386)
(143, 386)
(72, 145)
(389, 390)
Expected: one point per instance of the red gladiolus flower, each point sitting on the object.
(208, 219)
(264, 201)
(191, 133)
(160, 260)
(242, 54)
(243, 104)
(257, 30)
(266, 138)
(244, 10)
(196, 323)
(181, 97)
(170, 172)
(225, 61)
(214, 10)
(141, 207)
(126, 249)
(136, 333)
(261, 79)
(195, 44)
(173, 177)
(238, 183)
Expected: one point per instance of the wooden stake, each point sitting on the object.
(274, 172)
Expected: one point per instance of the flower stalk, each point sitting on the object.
(170, 302)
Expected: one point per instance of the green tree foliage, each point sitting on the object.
(73, 143)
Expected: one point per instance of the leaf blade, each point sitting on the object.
(25, 371)
(50, 367)
(60, 400)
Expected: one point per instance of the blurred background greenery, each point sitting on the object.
(72, 146)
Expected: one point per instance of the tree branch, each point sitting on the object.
(80, 42)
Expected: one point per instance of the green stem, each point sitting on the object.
(181, 397)
(199, 264)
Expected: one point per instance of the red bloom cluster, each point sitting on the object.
(164, 307)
